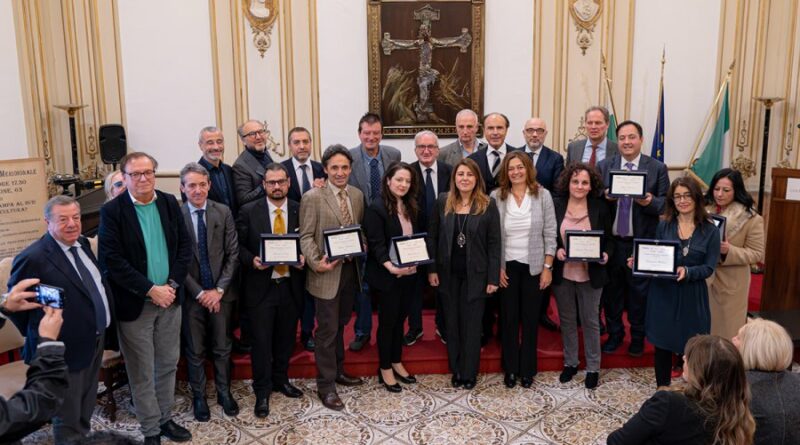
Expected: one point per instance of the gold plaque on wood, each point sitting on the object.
(425, 63)
(261, 15)
(585, 13)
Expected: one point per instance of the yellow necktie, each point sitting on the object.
(279, 228)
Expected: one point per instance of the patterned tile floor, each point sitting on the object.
(430, 412)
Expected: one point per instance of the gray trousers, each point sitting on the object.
(197, 322)
(332, 316)
(589, 308)
(74, 419)
(151, 347)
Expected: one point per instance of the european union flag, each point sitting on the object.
(658, 137)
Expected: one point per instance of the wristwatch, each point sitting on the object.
(221, 291)
(3, 299)
(548, 266)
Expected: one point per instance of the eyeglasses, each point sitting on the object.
(427, 147)
(261, 132)
(277, 183)
(535, 130)
(683, 197)
(147, 174)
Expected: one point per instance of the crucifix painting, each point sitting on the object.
(425, 63)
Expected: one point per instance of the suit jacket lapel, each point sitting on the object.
(163, 213)
(294, 217)
(187, 219)
(212, 222)
(129, 214)
(59, 259)
(333, 202)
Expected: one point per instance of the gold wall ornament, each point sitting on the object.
(261, 14)
(745, 166)
(580, 133)
(585, 13)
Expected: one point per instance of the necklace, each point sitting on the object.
(688, 241)
(461, 239)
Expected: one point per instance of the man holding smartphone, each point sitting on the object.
(63, 259)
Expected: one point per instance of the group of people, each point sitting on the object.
(495, 218)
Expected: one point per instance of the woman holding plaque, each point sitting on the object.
(528, 245)
(391, 215)
(578, 284)
(742, 245)
(677, 308)
(464, 240)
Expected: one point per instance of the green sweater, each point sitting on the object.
(155, 243)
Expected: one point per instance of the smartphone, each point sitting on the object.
(49, 296)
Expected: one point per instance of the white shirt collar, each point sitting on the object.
(193, 209)
(635, 161)
(432, 167)
(296, 164)
(536, 152)
(502, 149)
(284, 207)
(335, 189)
(65, 247)
(137, 202)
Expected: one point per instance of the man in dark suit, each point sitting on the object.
(248, 170)
(633, 218)
(63, 258)
(433, 177)
(307, 174)
(495, 129)
(370, 160)
(208, 306)
(549, 164)
(144, 251)
(222, 189)
(273, 294)
(467, 142)
(332, 283)
(596, 147)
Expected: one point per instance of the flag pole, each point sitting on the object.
(710, 115)
(608, 85)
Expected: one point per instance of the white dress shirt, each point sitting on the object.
(90, 266)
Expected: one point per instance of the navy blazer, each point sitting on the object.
(123, 257)
(599, 219)
(215, 193)
(254, 219)
(480, 156)
(548, 168)
(294, 186)
(443, 173)
(44, 259)
(645, 219)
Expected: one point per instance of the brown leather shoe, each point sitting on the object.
(346, 380)
(332, 401)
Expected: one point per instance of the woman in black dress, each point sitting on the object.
(464, 240)
(393, 214)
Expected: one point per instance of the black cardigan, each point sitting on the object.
(600, 219)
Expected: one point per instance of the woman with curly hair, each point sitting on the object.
(713, 408)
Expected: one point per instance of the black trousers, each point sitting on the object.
(201, 327)
(624, 283)
(332, 316)
(462, 319)
(520, 304)
(273, 336)
(391, 313)
(663, 366)
(73, 420)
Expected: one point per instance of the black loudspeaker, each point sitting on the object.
(113, 143)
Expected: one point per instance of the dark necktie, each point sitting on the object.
(374, 179)
(624, 211)
(496, 164)
(206, 277)
(91, 286)
(306, 184)
(430, 193)
(593, 157)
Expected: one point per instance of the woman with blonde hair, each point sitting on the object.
(464, 241)
(713, 407)
(766, 350)
(113, 185)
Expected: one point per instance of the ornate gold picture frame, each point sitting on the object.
(425, 63)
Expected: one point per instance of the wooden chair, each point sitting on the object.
(113, 376)
(13, 374)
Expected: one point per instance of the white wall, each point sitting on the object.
(167, 76)
(689, 73)
(12, 115)
(264, 84)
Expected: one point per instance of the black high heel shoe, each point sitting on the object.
(391, 388)
(407, 379)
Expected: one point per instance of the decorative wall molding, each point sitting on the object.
(585, 13)
(261, 15)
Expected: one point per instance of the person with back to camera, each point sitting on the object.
(464, 241)
(713, 408)
(393, 213)
(742, 246)
(766, 350)
(579, 207)
(677, 308)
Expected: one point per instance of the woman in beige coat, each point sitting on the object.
(742, 245)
